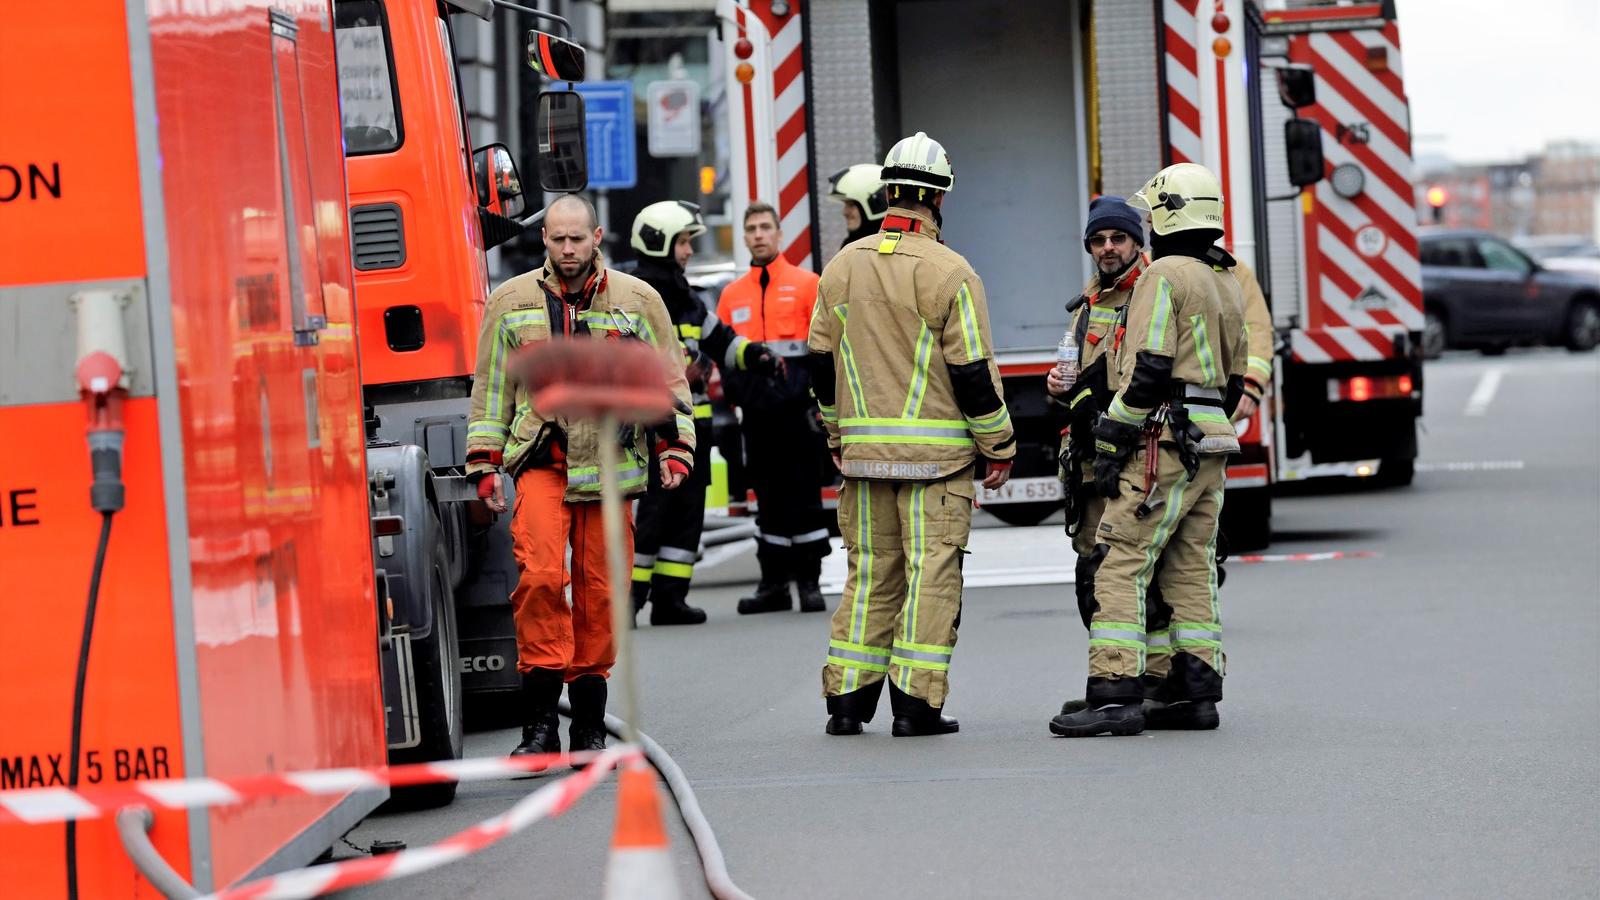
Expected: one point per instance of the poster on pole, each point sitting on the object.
(674, 119)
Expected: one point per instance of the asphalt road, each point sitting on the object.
(1424, 722)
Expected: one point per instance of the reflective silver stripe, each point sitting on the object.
(901, 430)
(919, 655)
(583, 478)
(677, 554)
(858, 656)
(1188, 634)
(711, 321)
(788, 348)
(643, 560)
(773, 539)
(810, 537)
(1159, 640)
(1196, 392)
(1115, 634)
(730, 360)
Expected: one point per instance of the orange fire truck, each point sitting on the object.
(189, 569)
(1044, 104)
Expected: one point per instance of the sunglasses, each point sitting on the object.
(1115, 240)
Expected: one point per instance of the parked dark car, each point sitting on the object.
(1480, 292)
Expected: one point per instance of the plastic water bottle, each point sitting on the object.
(1067, 358)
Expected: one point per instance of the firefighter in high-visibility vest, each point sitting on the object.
(1260, 337)
(785, 451)
(905, 376)
(1161, 451)
(556, 465)
(1114, 238)
(859, 189)
(666, 539)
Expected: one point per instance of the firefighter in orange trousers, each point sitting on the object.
(785, 450)
(904, 371)
(555, 464)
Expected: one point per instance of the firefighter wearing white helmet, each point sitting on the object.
(667, 536)
(1161, 448)
(904, 373)
(859, 189)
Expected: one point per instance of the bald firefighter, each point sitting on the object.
(904, 373)
(667, 538)
(555, 462)
(1161, 450)
(863, 201)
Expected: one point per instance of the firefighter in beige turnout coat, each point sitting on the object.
(904, 373)
(1180, 376)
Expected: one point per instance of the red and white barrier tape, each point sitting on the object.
(59, 804)
(1303, 557)
(548, 802)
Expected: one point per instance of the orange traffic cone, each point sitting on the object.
(640, 867)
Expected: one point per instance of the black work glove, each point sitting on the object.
(1114, 442)
(760, 360)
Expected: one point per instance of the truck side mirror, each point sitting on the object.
(499, 186)
(557, 59)
(1302, 139)
(1297, 85)
(563, 158)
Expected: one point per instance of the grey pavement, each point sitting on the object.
(1421, 723)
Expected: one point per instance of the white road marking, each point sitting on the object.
(1483, 394)
(1487, 465)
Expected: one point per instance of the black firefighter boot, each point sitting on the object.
(587, 694)
(541, 728)
(808, 578)
(1115, 706)
(668, 606)
(848, 712)
(915, 718)
(770, 596)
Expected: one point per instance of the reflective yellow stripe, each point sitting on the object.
(1161, 315)
(971, 338)
(1202, 350)
(674, 570)
(702, 411)
(919, 376)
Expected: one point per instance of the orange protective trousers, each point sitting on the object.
(573, 638)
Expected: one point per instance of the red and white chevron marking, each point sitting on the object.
(1363, 279)
(59, 804)
(789, 117)
(1182, 70)
(1249, 558)
(548, 802)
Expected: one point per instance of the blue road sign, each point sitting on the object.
(613, 149)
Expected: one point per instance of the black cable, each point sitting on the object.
(77, 696)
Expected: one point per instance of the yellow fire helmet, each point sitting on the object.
(1182, 197)
(863, 184)
(918, 161)
(659, 224)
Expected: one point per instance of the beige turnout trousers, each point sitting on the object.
(1180, 531)
(902, 596)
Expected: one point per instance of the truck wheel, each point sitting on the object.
(438, 673)
(1583, 326)
(1396, 472)
(1023, 514)
(1247, 519)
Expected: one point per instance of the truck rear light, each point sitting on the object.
(387, 526)
(1361, 388)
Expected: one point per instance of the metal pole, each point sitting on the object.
(617, 564)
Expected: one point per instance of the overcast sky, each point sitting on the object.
(1495, 80)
